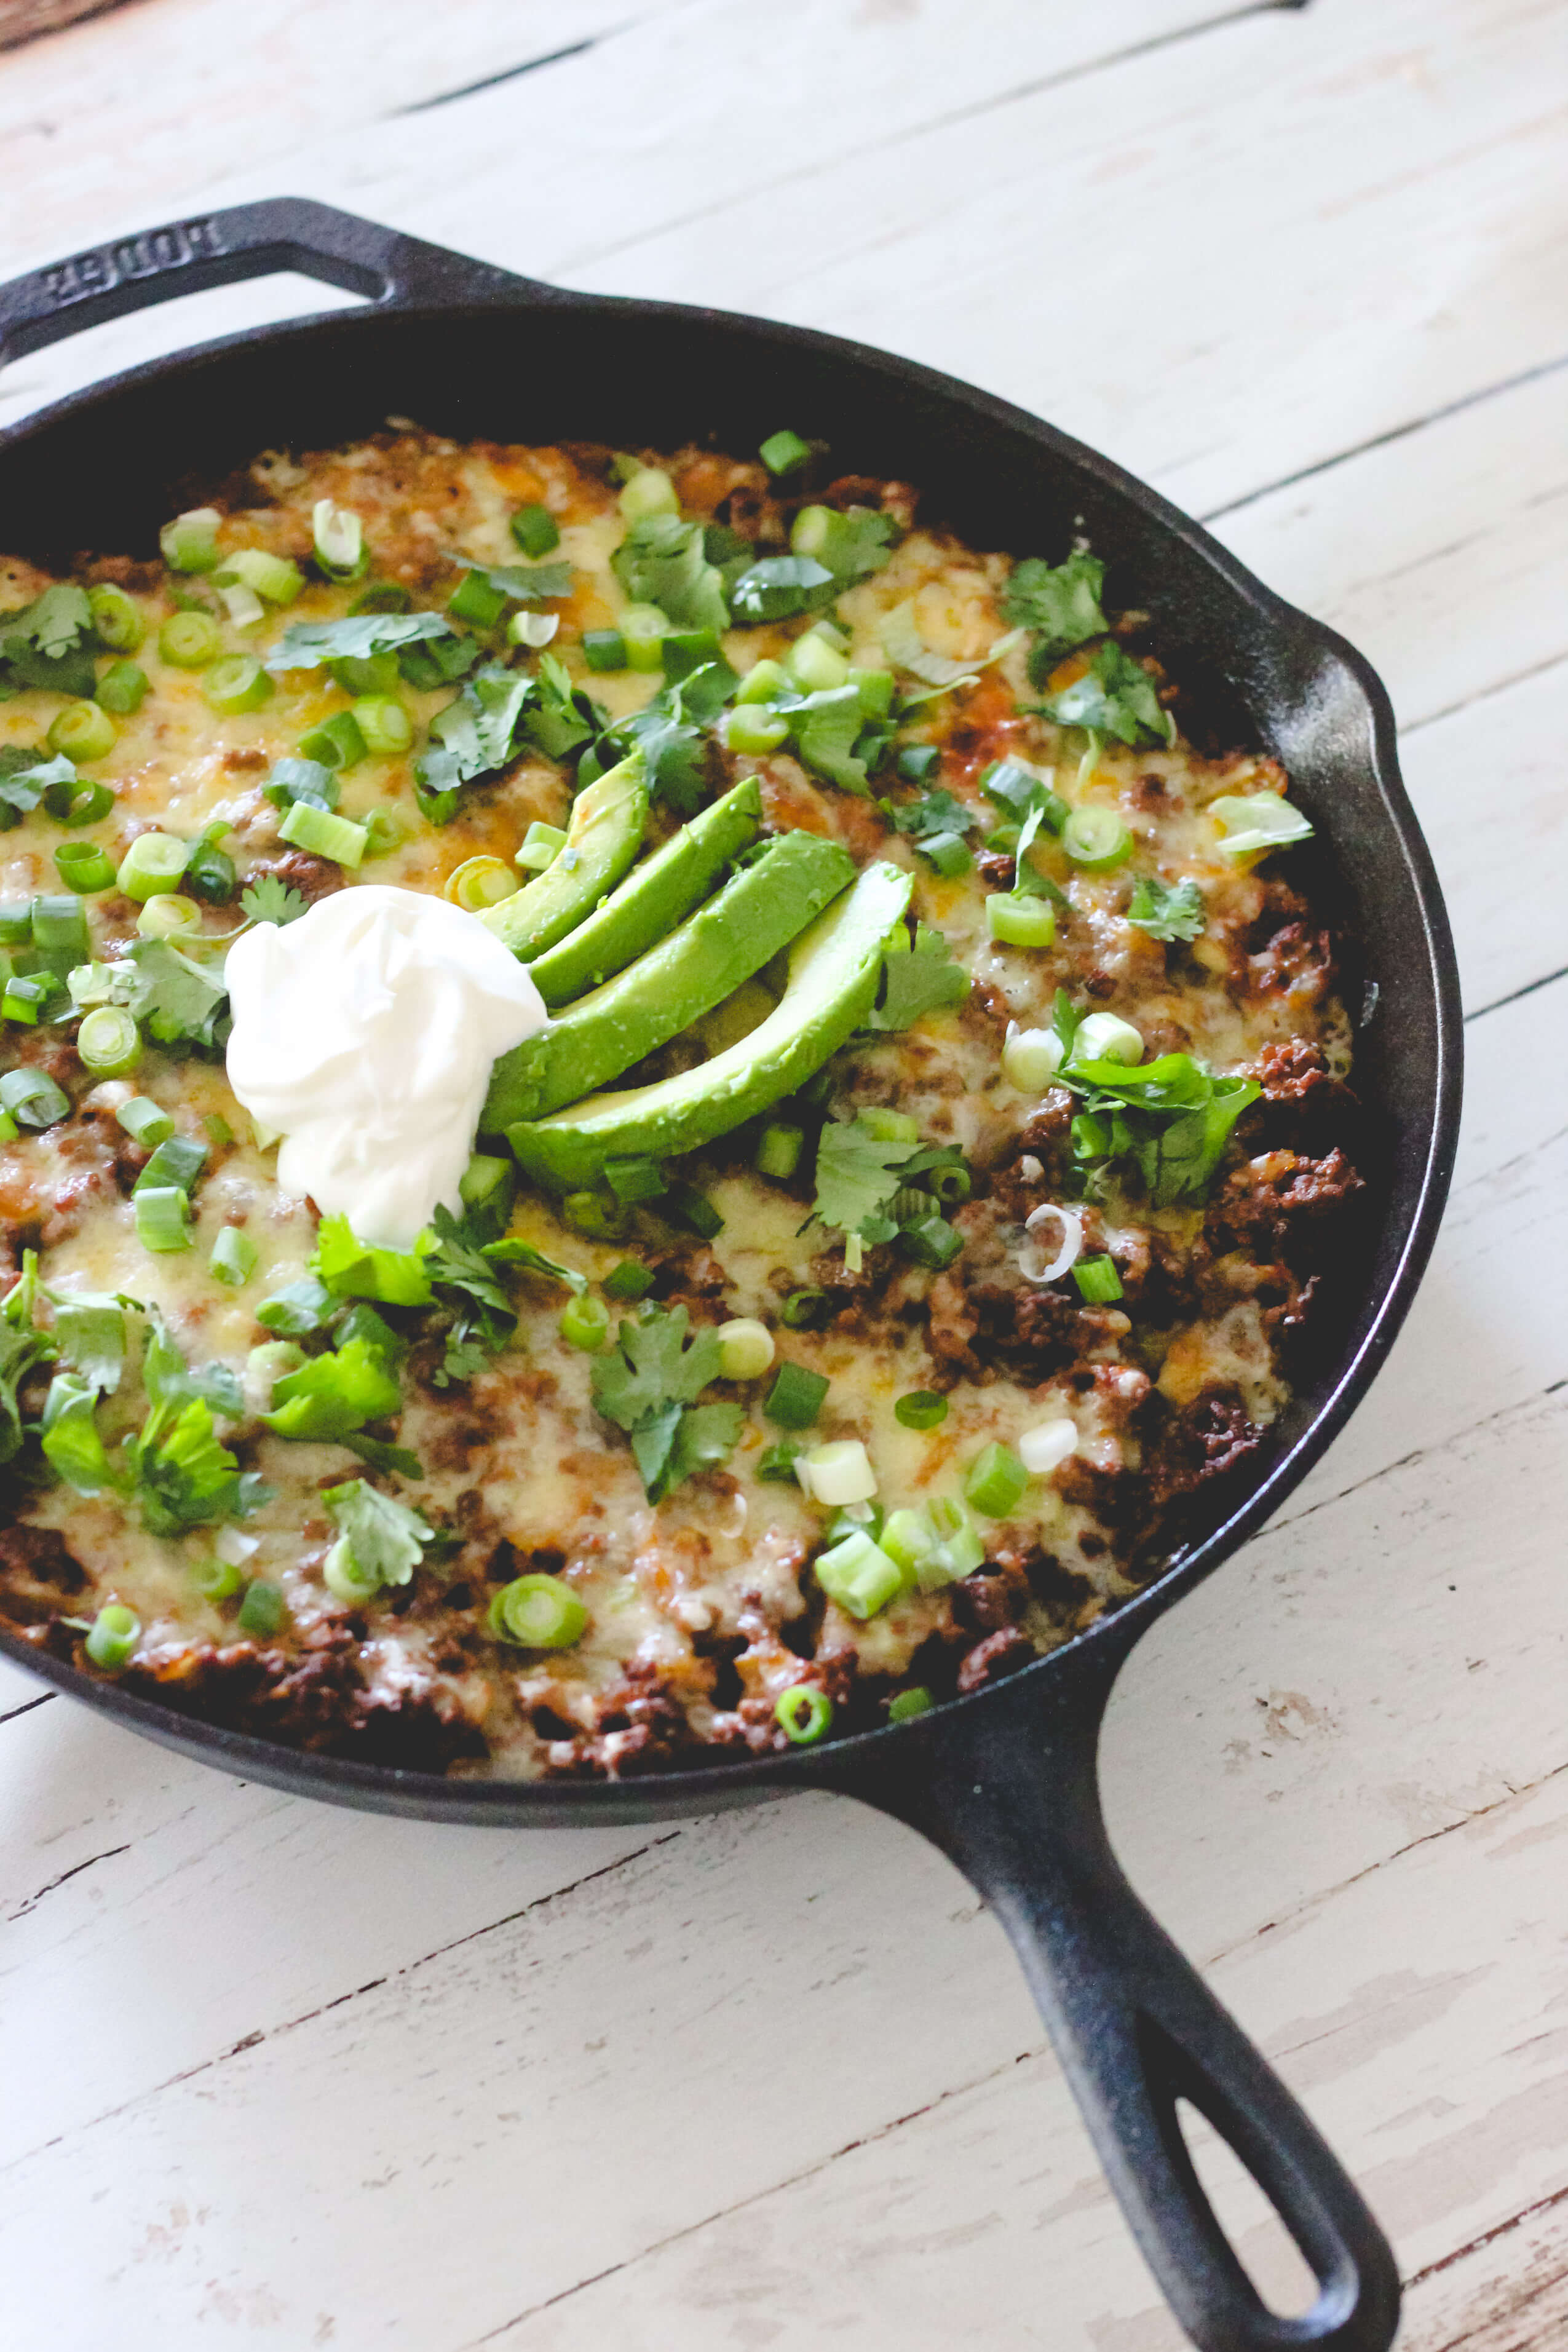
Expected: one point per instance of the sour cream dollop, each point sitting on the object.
(364, 1033)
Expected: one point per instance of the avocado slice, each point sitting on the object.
(764, 907)
(652, 900)
(834, 969)
(602, 836)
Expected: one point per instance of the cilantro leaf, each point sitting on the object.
(653, 1443)
(379, 1539)
(668, 732)
(1167, 910)
(1061, 604)
(176, 1001)
(269, 900)
(381, 1457)
(20, 1350)
(27, 772)
(827, 727)
(939, 812)
(1171, 1117)
(308, 644)
(511, 1252)
(89, 1326)
(170, 1381)
(705, 1436)
(474, 735)
(927, 979)
(525, 584)
(351, 1268)
(855, 543)
(50, 643)
(1116, 696)
(855, 1181)
(560, 718)
(781, 586)
(332, 1396)
(654, 1365)
(69, 1437)
(185, 1477)
(662, 561)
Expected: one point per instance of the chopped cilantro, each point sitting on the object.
(269, 900)
(69, 1436)
(1116, 696)
(474, 735)
(90, 1328)
(559, 718)
(663, 560)
(781, 586)
(1167, 910)
(525, 583)
(50, 643)
(300, 779)
(1171, 1117)
(26, 773)
(308, 644)
(21, 1348)
(927, 979)
(668, 731)
(379, 1539)
(649, 1386)
(1059, 603)
(511, 1252)
(856, 1181)
(939, 812)
(175, 1000)
(351, 1268)
(332, 1396)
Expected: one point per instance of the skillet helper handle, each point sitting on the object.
(223, 248)
(1008, 1789)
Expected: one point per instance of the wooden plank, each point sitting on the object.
(1509, 2294)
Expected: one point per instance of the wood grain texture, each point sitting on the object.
(25, 20)
(281, 2072)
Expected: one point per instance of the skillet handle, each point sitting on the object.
(223, 248)
(1006, 1786)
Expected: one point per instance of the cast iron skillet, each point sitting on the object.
(1004, 1780)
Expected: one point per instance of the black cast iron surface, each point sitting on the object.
(1003, 1780)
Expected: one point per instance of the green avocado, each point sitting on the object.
(764, 907)
(652, 900)
(602, 836)
(834, 969)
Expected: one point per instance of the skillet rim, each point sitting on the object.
(1413, 1210)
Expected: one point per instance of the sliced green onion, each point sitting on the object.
(803, 1310)
(916, 761)
(32, 1097)
(263, 1608)
(272, 1361)
(905, 1705)
(162, 1218)
(952, 1184)
(146, 1122)
(683, 1204)
(210, 874)
(776, 1463)
(189, 640)
(1098, 1279)
(537, 1612)
(59, 929)
(784, 452)
(533, 629)
(541, 846)
(117, 618)
(995, 1481)
(958, 1550)
(477, 600)
(80, 801)
(763, 682)
(23, 1000)
(858, 1575)
(745, 1348)
(754, 731)
(778, 1154)
(336, 743)
(82, 731)
(481, 882)
(338, 536)
(382, 597)
(365, 674)
(177, 1159)
(122, 689)
(324, 834)
(535, 531)
(384, 723)
(1106, 1037)
(643, 630)
(890, 1126)
(108, 1042)
(803, 1714)
(16, 923)
(233, 1257)
(837, 1473)
(592, 1214)
(1096, 839)
(1020, 921)
(950, 856)
(216, 1579)
(487, 1183)
(218, 1130)
(276, 577)
(908, 1538)
(932, 1241)
(635, 1177)
(585, 1323)
(82, 866)
(243, 606)
(813, 665)
(604, 649)
(1031, 1058)
(795, 1398)
(629, 1281)
(156, 861)
(921, 1409)
(112, 1637)
(91, 984)
(649, 492)
(235, 684)
(1253, 820)
(189, 543)
(169, 917)
(383, 831)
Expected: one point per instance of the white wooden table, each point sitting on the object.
(278, 2074)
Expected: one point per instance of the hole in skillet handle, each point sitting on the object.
(242, 242)
(1005, 1783)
